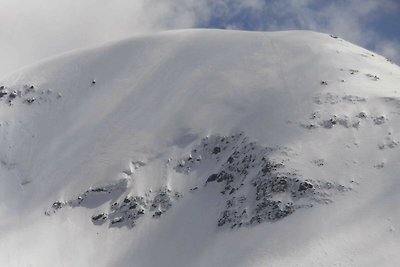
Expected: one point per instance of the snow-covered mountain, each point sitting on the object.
(202, 148)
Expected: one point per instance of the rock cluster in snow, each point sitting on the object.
(27, 94)
(92, 197)
(127, 211)
(330, 98)
(388, 143)
(255, 184)
(256, 187)
(123, 212)
(328, 121)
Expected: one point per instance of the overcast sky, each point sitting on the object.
(31, 30)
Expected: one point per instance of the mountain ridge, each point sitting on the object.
(132, 114)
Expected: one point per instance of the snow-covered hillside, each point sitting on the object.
(202, 148)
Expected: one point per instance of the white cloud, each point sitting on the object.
(390, 49)
(350, 19)
(32, 30)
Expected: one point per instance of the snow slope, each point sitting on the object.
(130, 119)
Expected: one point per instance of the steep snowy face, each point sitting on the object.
(202, 148)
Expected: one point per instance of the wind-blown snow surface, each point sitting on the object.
(327, 111)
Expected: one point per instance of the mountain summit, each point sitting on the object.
(202, 148)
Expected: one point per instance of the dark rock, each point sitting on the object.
(352, 72)
(305, 185)
(13, 94)
(30, 100)
(99, 218)
(280, 185)
(212, 178)
(117, 220)
(271, 167)
(324, 83)
(100, 189)
(216, 150)
(362, 115)
(157, 214)
(223, 176)
(3, 93)
(57, 205)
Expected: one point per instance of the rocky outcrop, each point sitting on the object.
(254, 181)
(256, 186)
